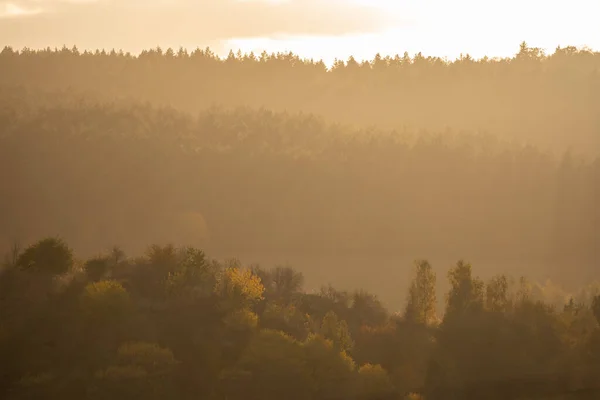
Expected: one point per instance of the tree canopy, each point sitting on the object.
(97, 339)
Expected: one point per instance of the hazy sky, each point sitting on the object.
(311, 28)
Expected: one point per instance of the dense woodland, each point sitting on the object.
(244, 183)
(348, 174)
(548, 100)
(176, 324)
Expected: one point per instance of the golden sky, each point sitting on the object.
(312, 28)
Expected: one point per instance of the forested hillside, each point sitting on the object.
(174, 323)
(547, 100)
(338, 178)
(254, 183)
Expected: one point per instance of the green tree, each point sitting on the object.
(421, 304)
(288, 319)
(497, 295)
(48, 256)
(105, 300)
(336, 330)
(273, 366)
(374, 382)
(466, 292)
(366, 309)
(140, 371)
(333, 372)
(194, 277)
(107, 312)
(96, 268)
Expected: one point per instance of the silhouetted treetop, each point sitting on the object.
(531, 97)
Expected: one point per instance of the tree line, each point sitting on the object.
(531, 97)
(175, 323)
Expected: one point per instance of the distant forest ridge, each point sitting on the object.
(257, 182)
(551, 101)
(524, 49)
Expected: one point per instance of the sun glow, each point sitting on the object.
(448, 29)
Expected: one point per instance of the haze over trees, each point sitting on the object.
(532, 97)
(292, 187)
(175, 323)
(483, 171)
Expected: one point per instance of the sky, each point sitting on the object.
(320, 29)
